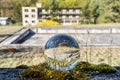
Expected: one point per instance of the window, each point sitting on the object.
(74, 21)
(73, 10)
(33, 10)
(26, 16)
(26, 21)
(33, 16)
(67, 16)
(33, 21)
(67, 21)
(26, 10)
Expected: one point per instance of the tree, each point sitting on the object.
(5, 9)
(110, 11)
(96, 14)
(114, 6)
(18, 4)
(91, 12)
(87, 13)
(53, 8)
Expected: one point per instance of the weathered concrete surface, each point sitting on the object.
(16, 36)
(77, 30)
(100, 40)
(98, 37)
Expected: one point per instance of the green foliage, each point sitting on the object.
(93, 11)
(107, 11)
(18, 4)
(44, 72)
(114, 9)
(64, 3)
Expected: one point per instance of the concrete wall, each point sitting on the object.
(23, 35)
(76, 30)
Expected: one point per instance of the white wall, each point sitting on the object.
(3, 22)
(32, 16)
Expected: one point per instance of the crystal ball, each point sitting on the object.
(62, 52)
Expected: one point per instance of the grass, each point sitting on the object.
(80, 72)
(4, 30)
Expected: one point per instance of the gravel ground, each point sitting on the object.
(14, 74)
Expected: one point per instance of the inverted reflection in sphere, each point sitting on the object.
(62, 52)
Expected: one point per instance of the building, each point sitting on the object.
(4, 20)
(33, 15)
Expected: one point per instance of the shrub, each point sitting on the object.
(48, 23)
(74, 24)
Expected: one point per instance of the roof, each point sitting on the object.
(4, 18)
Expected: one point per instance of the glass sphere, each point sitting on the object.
(62, 52)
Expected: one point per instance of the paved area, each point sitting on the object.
(97, 37)
(83, 39)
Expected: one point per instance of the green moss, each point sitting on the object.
(8, 50)
(22, 66)
(83, 66)
(104, 68)
(82, 69)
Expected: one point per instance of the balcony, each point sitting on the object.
(72, 13)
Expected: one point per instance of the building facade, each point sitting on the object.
(32, 15)
(4, 20)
